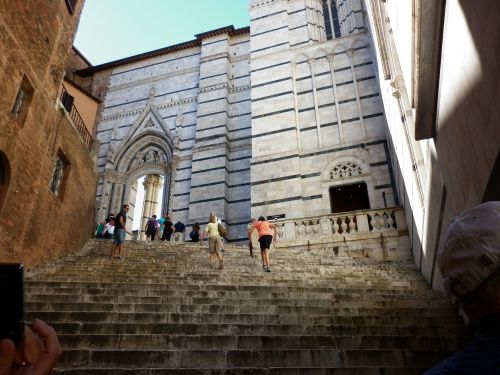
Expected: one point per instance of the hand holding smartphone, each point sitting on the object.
(33, 349)
(12, 302)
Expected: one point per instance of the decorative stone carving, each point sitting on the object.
(378, 11)
(115, 177)
(212, 87)
(151, 155)
(395, 88)
(345, 169)
(153, 180)
(152, 92)
(149, 124)
(179, 118)
(325, 227)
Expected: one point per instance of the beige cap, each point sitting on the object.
(470, 251)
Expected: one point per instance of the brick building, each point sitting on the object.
(47, 171)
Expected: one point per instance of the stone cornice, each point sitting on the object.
(429, 36)
(259, 3)
(169, 104)
(379, 20)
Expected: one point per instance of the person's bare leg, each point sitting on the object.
(221, 261)
(120, 249)
(266, 257)
(113, 248)
(263, 258)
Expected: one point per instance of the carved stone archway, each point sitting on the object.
(147, 149)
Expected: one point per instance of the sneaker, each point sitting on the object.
(268, 270)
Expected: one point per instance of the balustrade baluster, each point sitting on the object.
(352, 224)
(316, 228)
(373, 222)
(335, 226)
(390, 221)
(343, 225)
(308, 228)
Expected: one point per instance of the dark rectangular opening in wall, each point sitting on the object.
(275, 217)
(349, 197)
(71, 5)
(67, 100)
(492, 192)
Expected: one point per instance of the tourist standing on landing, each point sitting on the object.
(119, 235)
(168, 229)
(151, 227)
(267, 232)
(214, 240)
(195, 233)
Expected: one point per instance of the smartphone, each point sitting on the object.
(12, 301)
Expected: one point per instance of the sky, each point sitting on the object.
(113, 29)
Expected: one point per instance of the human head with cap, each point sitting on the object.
(469, 260)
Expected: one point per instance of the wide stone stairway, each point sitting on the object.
(162, 310)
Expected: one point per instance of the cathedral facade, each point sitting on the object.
(282, 119)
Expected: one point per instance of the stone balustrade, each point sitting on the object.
(346, 224)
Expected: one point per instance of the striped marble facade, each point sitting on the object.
(251, 121)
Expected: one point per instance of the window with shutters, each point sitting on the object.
(23, 100)
(59, 175)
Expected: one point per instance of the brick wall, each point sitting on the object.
(35, 225)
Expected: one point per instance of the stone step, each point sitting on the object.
(163, 304)
(239, 318)
(246, 371)
(79, 327)
(219, 359)
(195, 342)
(226, 285)
(36, 294)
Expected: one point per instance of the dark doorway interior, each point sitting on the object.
(349, 197)
(4, 177)
(492, 192)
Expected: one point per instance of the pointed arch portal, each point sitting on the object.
(146, 150)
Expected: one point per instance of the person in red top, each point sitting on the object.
(267, 232)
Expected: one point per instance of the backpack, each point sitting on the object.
(222, 231)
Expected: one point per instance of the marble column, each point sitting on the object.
(157, 193)
(151, 183)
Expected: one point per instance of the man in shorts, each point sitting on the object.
(119, 235)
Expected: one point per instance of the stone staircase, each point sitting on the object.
(163, 310)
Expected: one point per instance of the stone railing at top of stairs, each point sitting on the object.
(342, 224)
(375, 233)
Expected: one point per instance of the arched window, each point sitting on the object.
(4, 177)
(345, 169)
(331, 19)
